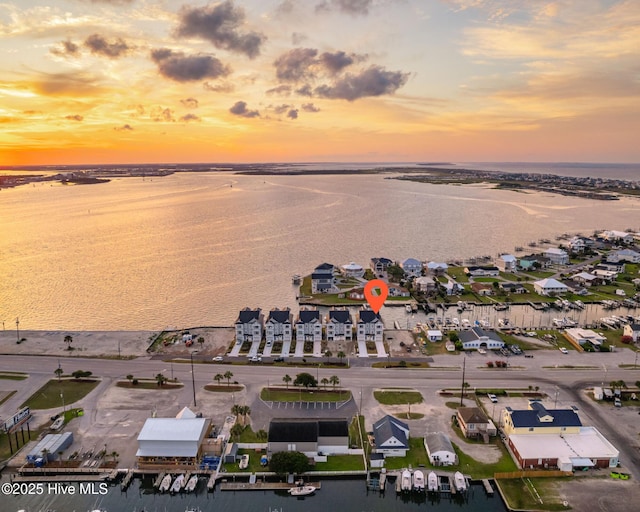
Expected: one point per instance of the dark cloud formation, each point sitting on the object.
(67, 49)
(224, 87)
(283, 90)
(189, 103)
(281, 109)
(189, 117)
(293, 113)
(100, 46)
(124, 128)
(335, 62)
(295, 65)
(353, 7)
(373, 81)
(188, 68)
(220, 24)
(240, 109)
(305, 90)
(74, 117)
(109, 2)
(160, 114)
(310, 107)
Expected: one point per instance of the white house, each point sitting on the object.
(352, 270)
(370, 326)
(339, 325)
(309, 325)
(557, 256)
(476, 338)
(425, 284)
(434, 335)
(617, 236)
(624, 255)
(550, 286)
(279, 326)
(632, 330)
(586, 278)
(379, 265)
(507, 263)
(249, 325)
(391, 437)
(453, 288)
(323, 280)
(412, 267)
(439, 449)
(437, 269)
(582, 336)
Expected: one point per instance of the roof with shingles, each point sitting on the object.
(248, 315)
(390, 427)
(472, 415)
(281, 316)
(307, 316)
(554, 417)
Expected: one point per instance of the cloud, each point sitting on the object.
(293, 113)
(100, 46)
(160, 114)
(189, 117)
(298, 38)
(74, 117)
(219, 24)
(189, 103)
(373, 81)
(336, 62)
(305, 90)
(76, 83)
(68, 49)
(353, 7)
(295, 65)
(281, 109)
(285, 7)
(223, 87)
(310, 107)
(188, 68)
(283, 90)
(124, 128)
(240, 109)
(110, 2)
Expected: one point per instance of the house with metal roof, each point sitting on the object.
(323, 279)
(632, 330)
(309, 325)
(557, 256)
(309, 436)
(507, 262)
(439, 449)
(538, 419)
(391, 437)
(477, 337)
(412, 267)
(550, 286)
(249, 325)
(339, 325)
(278, 326)
(369, 326)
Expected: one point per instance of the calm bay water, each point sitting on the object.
(338, 495)
(193, 248)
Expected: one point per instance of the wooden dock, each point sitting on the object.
(127, 480)
(487, 487)
(261, 486)
(158, 480)
(211, 483)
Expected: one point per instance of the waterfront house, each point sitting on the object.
(425, 284)
(533, 262)
(309, 325)
(632, 330)
(550, 287)
(279, 326)
(369, 326)
(380, 265)
(412, 267)
(398, 291)
(605, 275)
(434, 335)
(482, 289)
(249, 325)
(612, 266)
(357, 294)
(439, 449)
(352, 270)
(557, 256)
(309, 436)
(537, 419)
(507, 263)
(587, 279)
(323, 279)
(482, 271)
(617, 236)
(453, 288)
(627, 255)
(391, 437)
(474, 423)
(514, 288)
(339, 325)
(477, 337)
(435, 268)
(578, 244)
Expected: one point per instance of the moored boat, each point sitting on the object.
(177, 485)
(459, 481)
(165, 485)
(302, 490)
(191, 484)
(418, 481)
(244, 462)
(432, 482)
(405, 483)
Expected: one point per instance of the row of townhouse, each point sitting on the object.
(338, 325)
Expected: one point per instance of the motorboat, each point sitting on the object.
(165, 485)
(191, 484)
(408, 308)
(418, 481)
(244, 462)
(432, 482)
(405, 482)
(177, 485)
(459, 481)
(302, 490)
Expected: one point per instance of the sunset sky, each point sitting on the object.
(127, 81)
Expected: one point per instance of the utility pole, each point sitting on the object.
(18, 328)
(462, 384)
(193, 382)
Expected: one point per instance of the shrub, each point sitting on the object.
(490, 364)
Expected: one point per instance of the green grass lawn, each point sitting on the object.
(458, 274)
(148, 384)
(416, 456)
(478, 470)
(397, 397)
(341, 463)
(13, 376)
(48, 396)
(304, 395)
(520, 494)
(6, 395)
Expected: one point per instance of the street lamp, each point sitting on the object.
(193, 380)
(64, 409)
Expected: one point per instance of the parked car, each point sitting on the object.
(493, 398)
(218, 359)
(279, 360)
(255, 359)
(617, 402)
(564, 350)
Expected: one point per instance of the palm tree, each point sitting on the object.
(228, 376)
(58, 372)
(218, 377)
(68, 340)
(130, 378)
(287, 378)
(328, 355)
(245, 411)
(235, 410)
(262, 435)
(236, 431)
(201, 341)
(114, 455)
(334, 380)
(341, 355)
(324, 381)
(160, 379)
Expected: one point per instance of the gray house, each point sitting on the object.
(391, 437)
(440, 449)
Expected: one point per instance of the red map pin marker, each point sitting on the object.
(376, 292)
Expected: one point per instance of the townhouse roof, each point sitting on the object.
(367, 316)
(280, 316)
(324, 266)
(341, 316)
(539, 416)
(384, 261)
(307, 316)
(306, 430)
(411, 262)
(477, 333)
(550, 282)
